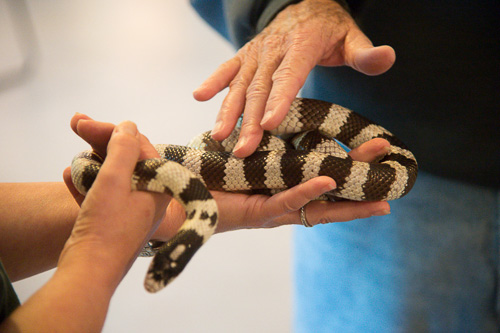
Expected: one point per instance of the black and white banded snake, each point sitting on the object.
(310, 126)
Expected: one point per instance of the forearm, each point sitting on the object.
(111, 227)
(75, 299)
(36, 220)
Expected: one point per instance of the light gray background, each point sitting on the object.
(137, 60)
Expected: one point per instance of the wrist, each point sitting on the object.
(274, 7)
(96, 263)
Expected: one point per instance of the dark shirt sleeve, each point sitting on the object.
(8, 298)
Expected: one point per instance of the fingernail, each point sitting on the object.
(127, 127)
(196, 91)
(384, 150)
(241, 142)
(381, 212)
(266, 117)
(217, 128)
(330, 186)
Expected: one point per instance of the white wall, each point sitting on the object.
(137, 60)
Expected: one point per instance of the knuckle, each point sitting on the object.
(286, 74)
(125, 140)
(287, 207)
(224, 112)
(257, 90)
(248, 53)
(248, 46)
(226, 66)
(237, 84)
(276, 99)
(251, 127)
(282, 72)
(304, 40)
(272, 42)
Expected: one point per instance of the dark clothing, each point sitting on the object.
(8, 298)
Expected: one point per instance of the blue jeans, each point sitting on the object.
(429, 266)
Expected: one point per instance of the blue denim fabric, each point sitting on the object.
(429, 266)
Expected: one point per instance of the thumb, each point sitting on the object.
(361, 55)
(122, 155)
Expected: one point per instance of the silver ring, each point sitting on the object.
(303, 217)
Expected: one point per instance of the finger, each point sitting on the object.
(71, 187)
(124, 149)
(287, 80)
(147, 150)
(122, 156)
(173, 219)
(249, 139)
(219, 80)
(75, 119)
(95, 133)
(234, 102)
(321, 212)
(256, 97)
(374, 61)
(250, 134)
(291, 200)
(371, 150)
(98, 134)
(360, 54)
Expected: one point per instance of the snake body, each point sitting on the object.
(309, 151)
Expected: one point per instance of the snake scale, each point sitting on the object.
(308, 151)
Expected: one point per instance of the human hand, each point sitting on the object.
(114, 222)
(112, 226)
(267, 73)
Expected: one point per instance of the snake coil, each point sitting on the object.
(309, 150)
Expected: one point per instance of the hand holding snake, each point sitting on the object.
(252, 210)
(259, 211)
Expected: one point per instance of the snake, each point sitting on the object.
(311, 141)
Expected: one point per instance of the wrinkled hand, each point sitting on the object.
(242, 211)
(267, 73)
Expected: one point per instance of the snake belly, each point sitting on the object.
(302, 147)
